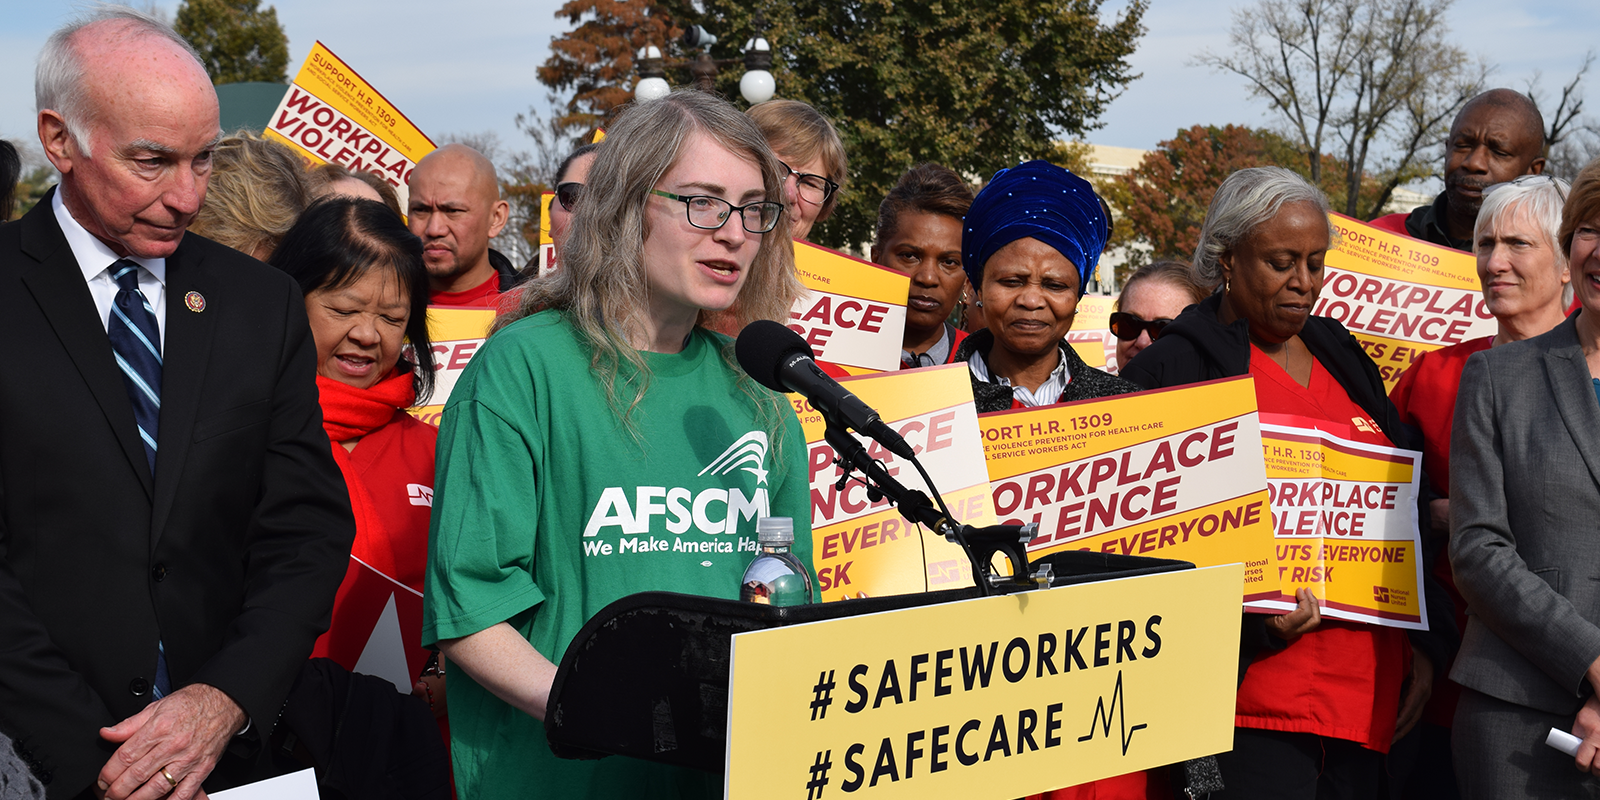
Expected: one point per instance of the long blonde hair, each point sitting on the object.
(601, 287)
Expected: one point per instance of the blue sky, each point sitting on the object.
(467, 66)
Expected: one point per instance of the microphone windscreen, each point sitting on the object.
(761, 348)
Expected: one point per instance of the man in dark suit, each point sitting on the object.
(172, 523)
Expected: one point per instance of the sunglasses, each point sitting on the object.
(1127, 327)
(1529, 181)
(568, 194)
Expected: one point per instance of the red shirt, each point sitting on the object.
(1426, 398)
(1392, 222)
(1343, 679)
(395, 466)
(484, 295)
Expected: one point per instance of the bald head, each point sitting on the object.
(455, 207)
(129, 118)
(1511, 105)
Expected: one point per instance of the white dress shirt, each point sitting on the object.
(95, 259)
(1048, 392)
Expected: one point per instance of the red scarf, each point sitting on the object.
(349, 413)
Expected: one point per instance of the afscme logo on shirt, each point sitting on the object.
(710, 511)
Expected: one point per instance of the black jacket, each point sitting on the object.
(1198, 347)
(1427, 223)
(230, 554)
(1087, 382)
(503, 267)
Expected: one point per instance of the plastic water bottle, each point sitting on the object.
(775, 577)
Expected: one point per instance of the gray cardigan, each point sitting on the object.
(1525, 521)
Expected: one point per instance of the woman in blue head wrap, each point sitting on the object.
(1032, 238)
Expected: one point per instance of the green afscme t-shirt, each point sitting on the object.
(546, 509)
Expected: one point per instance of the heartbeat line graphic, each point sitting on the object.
(1102, 717)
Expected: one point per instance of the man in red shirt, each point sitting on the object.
(456, 209)
(1499, 135)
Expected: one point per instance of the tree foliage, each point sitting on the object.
(595, 60)
(1163, 201)
(237, 40)
(974, 85)
(1374, 82)
(1571, 139)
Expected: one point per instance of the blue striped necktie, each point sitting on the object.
(136, 343)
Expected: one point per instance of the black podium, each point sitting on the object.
(647, 677)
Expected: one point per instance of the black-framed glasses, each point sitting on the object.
(1127, 327)
(816, 189)
(711, 213)
(568, 194)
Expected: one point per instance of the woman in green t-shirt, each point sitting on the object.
(603, 441)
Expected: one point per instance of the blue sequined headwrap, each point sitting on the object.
(1040, 200)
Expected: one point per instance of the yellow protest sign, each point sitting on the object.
(1344, 515)
(1091, 331)
(456, 333)
(1170, 474)
(1400, 296)
(863, 545)
(330, 114)
(991, 697)
(547, 245)
(854, 312)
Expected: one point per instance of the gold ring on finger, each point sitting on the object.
(171, 781)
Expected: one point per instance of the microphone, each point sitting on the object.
(777, 358)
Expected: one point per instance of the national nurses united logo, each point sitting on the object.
(750, 449)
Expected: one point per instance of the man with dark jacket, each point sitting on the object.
(173, 526)
(1498, 136)
(455, 208)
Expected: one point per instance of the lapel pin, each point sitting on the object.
(195, 301)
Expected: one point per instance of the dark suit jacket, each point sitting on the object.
(230, 555)
(1525, 521)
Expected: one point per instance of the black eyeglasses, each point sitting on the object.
(568, 194)
(1127, 327)
(711, 213)
(816, 189)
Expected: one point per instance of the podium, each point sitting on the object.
(648, 676)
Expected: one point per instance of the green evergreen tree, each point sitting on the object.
(974, 85)
(237, 40)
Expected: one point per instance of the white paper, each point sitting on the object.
(300, 785)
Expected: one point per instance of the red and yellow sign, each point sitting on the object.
(456, 333)
(1400, 296)
(854, 313)
(330, 114)
(1170, 473)
(1091, 331)
(1344, 515)
(863, 545)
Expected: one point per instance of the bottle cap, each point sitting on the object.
(775, 530)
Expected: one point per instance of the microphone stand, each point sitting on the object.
(980, 544)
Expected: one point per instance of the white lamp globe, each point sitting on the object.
(757, 86)
(651, 89)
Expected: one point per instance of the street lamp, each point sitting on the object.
(652, 83)
(756, 85)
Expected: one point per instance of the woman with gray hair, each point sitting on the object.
(608, 383)
(1523, 467)
(1526, 286)
(1319, 700)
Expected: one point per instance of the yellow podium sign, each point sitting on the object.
(991, 697)
(1400, 296)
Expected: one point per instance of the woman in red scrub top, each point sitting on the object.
(1319, 700)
